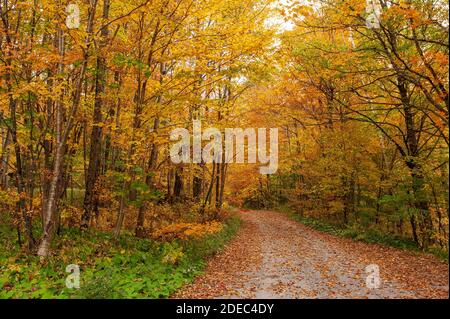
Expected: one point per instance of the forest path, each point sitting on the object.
(275, 257)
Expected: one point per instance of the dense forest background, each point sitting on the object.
(87, 106)
(365, 117)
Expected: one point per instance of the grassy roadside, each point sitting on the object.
(127, 268)
(368, 236)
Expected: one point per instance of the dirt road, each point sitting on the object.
(275, 257)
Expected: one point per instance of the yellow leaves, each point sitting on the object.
(34, 88)
(14, 268)
(9, 198)
(336, 207)
(186, 231)
(302, 11)
(173, 255)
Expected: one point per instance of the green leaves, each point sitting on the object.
(128, 268)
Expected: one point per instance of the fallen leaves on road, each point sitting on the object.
(275, 257)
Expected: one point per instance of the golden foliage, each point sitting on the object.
(186, 231)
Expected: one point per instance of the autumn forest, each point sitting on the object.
(90, 91)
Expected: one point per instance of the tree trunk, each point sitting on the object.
(61, 138)
(178, 184)
(420, 202)
(4, 160)
(151, 165)
(19, 169)
(90, 203)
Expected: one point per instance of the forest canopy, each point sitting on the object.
(91, 89)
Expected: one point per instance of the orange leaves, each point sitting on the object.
(441, 58)
(186, 231)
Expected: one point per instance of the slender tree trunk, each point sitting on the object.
(62, 135)
(197, 187)
(178, 184)
(47, 146)
(223, 174)
(19, 176)
(4, 159)
(210, 188)
(148, 181)
(420, 202)
(19, 165)
(90, 204)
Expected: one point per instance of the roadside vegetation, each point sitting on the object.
(355, 232)
(128, 267)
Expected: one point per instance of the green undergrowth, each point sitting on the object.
(126, 268)
(365, 235)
